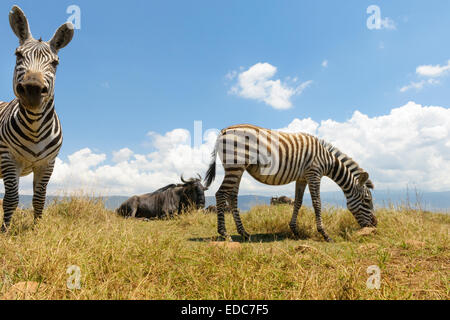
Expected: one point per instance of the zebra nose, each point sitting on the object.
(374, 221)
(31, 88)
(31, 92)
(32, 85)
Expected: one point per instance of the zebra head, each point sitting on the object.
(361, 204)
(37, 60)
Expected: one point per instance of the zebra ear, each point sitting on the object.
(363, 178)
(19, 24)
(62, 36)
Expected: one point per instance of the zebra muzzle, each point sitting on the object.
(32, 90)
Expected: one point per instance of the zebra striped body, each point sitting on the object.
(299, 158)
(30, 131)
(31, 140)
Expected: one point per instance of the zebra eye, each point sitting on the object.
(55, 63)
(19, 55)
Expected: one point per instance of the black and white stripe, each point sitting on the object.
(30, 131)
(277, 158)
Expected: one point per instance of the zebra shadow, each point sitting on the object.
(255, 238)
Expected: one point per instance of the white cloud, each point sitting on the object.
(325, 63)
(410, 145)
(427, 71)
(231, 75)
(433, 71)
(305, 125)
(419, 85)
(256, 83)
(122, 155)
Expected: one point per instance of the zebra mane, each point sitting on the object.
(347, 161)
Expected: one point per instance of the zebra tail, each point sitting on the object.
(211, 173)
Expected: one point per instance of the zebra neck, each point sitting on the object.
(35, 121)
(344, 176)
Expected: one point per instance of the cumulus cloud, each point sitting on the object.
(256, 83)
(408, 146)
(122, 155)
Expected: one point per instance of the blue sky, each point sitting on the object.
(141, 66)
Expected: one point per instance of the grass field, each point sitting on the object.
(176, 259)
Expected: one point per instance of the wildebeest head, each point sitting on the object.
(193, 192)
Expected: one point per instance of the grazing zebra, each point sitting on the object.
(30, 131)
(277, 158)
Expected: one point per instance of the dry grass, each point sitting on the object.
(177, 259)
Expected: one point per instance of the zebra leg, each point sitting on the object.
(40, 181)
(300, 187)
(314, 188)
(221, 198)
(11, 174)
(236, 214)
(230, 181)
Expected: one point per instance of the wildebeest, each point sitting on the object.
(211, 209)
(165, 202)
(281, 200)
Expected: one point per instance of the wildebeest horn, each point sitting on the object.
(199, 176)
(182, 179)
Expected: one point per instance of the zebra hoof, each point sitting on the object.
(296, 234)
(3, 229)
(224, 237)
(246, 236)
(329, 240)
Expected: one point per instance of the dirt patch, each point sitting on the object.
(225, 244)
(366, 232)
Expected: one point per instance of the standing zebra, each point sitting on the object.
(277, 158)
(30, 131)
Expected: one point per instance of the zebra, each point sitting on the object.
(278, 158)
(30, 131)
